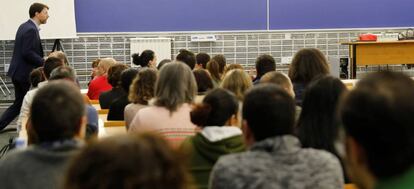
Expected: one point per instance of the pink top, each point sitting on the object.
(97, 86)
(175, 127)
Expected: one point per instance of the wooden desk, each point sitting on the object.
(379, 53)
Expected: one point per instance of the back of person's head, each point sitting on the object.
(143, 87)
(142, 160)
(105, 64)
(36, 76)
(218, 106)
(221, 60)
(203, 79)
(146, 58)
(318, 125)
(378, 116)
(214, 69)
(50, 64)
(164, 61)
(268, 111)
(202, 59)
(265, 63)
(237, 81)
(127, 76)
(36, 8)
(187, 57)
(279, 79)
(63, 72)
(307, 64)
(114, 74)
(233, 67)
(175, 86)
(61, 55)
(57, 112)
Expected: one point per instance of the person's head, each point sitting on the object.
(265, 63)
(50, 64)
(114, 74)
(36, 76)
(61, 55)
(221, 60)
(214, 69)
(104, 65)
(219, 107)
(139, 160)
(164, 61)
(95, 64)
(202, 59)
(187, 57)
(307, 64)
(175, 86)
(57, 112)
(39, 12)
(203, 79)
(238, 82)
(318, 126)
(143, 87)
(233, 67)
(268, 111)
(378, 118)
(127, 76)
(63, 72)
(146, 59)
(279, 79)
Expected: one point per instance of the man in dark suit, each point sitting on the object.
(27, 55)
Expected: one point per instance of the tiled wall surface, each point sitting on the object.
(238, 47)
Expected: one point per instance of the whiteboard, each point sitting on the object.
(61, 23)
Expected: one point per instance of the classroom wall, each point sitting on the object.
(238, 47)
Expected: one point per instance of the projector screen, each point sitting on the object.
(61, 23)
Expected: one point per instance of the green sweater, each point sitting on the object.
(204, 154)
(405, 181)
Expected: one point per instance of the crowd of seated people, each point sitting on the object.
(201, 122)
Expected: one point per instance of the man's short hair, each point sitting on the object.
(277, 78)
(57, 111)
(269, 111)
(379, 115)
(265, 63)
(50, 64)
(203, 58)
(63, 72)
(187, 57)
(36, 8)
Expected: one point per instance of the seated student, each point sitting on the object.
(217, 115)
(307, 64)
(233, 67)
(69, 74)
(114, 78)
(141, 160)
(275, 158)
(61, 56)
(186, 57)
(174, 93)
(94, 71)
(238, 82)
(58, 123)
(378, 119)
(201, 60)
(214, 69)
(221, 60)
(100, 83)
(147, 59)
(204, 81)
(318, 126)
(162, 63)
(116, 109)
(50, 64)
(140, 93)
(264, 63)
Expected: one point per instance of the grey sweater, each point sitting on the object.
(36, 167)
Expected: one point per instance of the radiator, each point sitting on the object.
(161, 47)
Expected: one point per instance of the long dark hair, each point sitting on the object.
(317, 125)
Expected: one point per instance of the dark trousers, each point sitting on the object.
(20, 90)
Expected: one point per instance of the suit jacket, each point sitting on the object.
(27, 53)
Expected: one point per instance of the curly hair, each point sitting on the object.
(143, 86)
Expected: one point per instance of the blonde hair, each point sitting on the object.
(61, 56)
(175, 86)
(237, 81)
(106, 63)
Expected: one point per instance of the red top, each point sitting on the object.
(97, 86)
